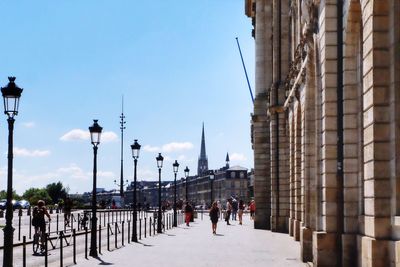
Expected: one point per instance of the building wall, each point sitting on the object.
(325, 127)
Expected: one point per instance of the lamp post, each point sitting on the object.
(95, 134)
(159, 165)
(121, 185)
(175, 166)
(135, 155)
(186, 170)
(122, 127)
(11, 94)
(212, 176)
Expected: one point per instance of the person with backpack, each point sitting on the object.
(38, 220)
(234, 209)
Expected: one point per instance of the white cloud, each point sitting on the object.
(29, 124)
(182, 158)
(170, 147)
(23, 152)
(109, 137)
(175, 146)
(237, 157)
(72, 175)
(105, 174)
(167, 159)
(79, 134)
(73, 171)
(146, 174)
(75, 134)
(149, 148)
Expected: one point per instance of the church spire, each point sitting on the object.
(227, 160)
(203, 145)
(202, 166)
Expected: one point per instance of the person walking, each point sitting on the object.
(220, 209)
(241, 210)
(228, 211)
(67, 210)
(252, 209)
(188, 213)
(234, 209)
(214, 215)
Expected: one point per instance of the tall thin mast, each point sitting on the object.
(122, 122)
(245, 71)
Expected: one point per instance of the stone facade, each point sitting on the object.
(325, 127)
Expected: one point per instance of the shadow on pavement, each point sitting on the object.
(218, 234)
(145, 245)
(103, 262)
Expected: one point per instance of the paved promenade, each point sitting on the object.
(234, 245)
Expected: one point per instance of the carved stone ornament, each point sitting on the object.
(306, 6)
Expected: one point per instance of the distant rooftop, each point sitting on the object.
(237, 168)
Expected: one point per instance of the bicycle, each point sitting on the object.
(38, 244)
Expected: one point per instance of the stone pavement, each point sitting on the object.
(234, 245)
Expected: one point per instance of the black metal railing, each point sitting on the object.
(60, 242)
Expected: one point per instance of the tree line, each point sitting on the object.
(53, 193)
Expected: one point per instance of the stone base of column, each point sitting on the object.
(324, 249)
(376, 253)
(279, 224)
(262, 222)
(296, 230)
(349, 250)
(394, 248)
(291, 226)
(306, 249)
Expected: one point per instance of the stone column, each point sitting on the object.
(262, 179)
(278, 126)
(324, 241)
(297, 170)
(309, 174)
(375, 244)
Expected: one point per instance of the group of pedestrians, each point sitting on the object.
(233, 209)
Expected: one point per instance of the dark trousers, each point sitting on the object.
(227, 216)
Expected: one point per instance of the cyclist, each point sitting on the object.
(38, 220)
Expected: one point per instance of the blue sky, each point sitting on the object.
(176, 64)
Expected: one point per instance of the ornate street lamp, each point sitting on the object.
(186, 170)
(95, 134)
(135, 155)
(212, 176)
(11, 94)
(175, 167)
(159, 165)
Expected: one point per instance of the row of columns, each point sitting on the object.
(335, 190)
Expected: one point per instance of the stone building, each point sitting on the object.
(202, 190)
(325, 129)
(227, 182)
